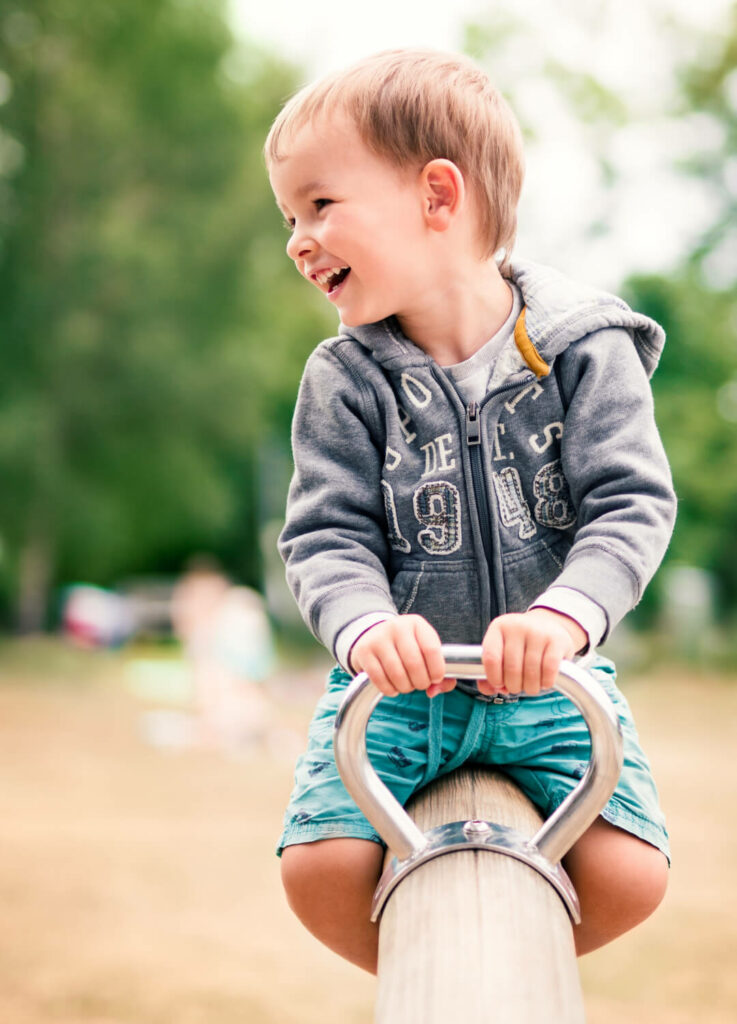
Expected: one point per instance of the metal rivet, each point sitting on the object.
(477, 827)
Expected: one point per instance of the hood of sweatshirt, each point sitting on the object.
(557, 311)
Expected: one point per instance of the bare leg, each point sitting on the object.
(620, 880)
(329, 885)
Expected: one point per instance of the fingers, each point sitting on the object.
(444, 686)
(429, 643)
(492, 657)
(520, 654)
(386, 672)
(400, 655)
(554, 653)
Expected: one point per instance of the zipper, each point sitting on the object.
(479, 493)
(478, 479)
(473, 441)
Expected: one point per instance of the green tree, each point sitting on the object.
(697, 416)
(695, 386)
(150, 338)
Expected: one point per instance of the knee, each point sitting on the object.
(329, 885)
(620, 880)
(649, 883)
(638, 890)
(299, 866)
(329, 873)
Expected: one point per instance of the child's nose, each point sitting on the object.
(299, 247)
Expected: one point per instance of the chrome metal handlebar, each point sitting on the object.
(463, 661)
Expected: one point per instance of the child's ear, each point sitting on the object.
(443, 192)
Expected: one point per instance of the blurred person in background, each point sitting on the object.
(227, 642)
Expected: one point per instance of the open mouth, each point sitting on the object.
(330, 280)
(338, 278)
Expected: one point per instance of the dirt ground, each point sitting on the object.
(138, 883)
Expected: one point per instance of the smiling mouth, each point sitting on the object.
(329, 280)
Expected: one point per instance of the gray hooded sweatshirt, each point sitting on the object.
(404, 499)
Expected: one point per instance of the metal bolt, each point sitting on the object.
(477, 828)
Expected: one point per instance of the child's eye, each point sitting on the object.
(289, 223)
(320, 203)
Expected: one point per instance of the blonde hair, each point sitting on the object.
(413, 106)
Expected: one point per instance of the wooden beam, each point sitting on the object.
(476, 936)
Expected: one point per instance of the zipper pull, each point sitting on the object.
(473, 427)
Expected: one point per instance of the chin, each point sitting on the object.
(356, 320)
(351, 321)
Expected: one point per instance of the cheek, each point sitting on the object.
(352, 232)
(337, 234)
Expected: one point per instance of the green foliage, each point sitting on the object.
(153, 333)
(695, 387)
(150, 338)
(699, 428)
(589, 98)
(708, 86)
(483, 38)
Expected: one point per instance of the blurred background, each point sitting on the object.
(155, 682)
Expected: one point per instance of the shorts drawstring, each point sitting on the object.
(435, 739)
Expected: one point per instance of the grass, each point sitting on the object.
(139, 885)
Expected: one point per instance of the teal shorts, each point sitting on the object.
(541, 742)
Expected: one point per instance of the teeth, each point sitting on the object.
(324, 277)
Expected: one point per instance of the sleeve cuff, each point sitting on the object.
(350, 633)
(587, 613)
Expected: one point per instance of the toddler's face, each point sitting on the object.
(356, 221)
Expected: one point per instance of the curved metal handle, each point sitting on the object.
(463, 661)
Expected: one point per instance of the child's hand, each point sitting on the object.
(522, 653)
(400, 655)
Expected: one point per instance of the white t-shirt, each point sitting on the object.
(471, 377)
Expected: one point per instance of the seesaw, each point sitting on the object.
(475, 937)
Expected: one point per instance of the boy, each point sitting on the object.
(476, 460)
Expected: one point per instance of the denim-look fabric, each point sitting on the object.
(541, 742)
